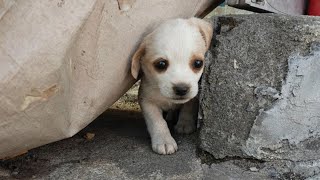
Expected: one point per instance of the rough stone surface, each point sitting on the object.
(290, 129)
(260, 95)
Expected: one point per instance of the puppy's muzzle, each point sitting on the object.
(181, 89)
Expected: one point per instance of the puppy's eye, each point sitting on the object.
(161, 64)
(197, 64)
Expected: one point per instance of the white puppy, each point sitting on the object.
(170, 60)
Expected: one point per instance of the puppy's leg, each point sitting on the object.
(188, 116)
(161, 139)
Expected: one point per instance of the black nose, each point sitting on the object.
(181, 89)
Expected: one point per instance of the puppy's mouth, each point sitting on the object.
(180, 100)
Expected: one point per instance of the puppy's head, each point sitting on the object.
(171, 58)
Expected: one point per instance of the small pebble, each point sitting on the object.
(4, 173)
(89, 136)
(14, 173)
(254, 169)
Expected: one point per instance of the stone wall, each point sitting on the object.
(260, 91)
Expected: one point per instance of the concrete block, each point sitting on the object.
(260, 91)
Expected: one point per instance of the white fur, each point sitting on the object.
(177, 41)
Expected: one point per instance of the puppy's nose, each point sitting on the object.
(181, 89)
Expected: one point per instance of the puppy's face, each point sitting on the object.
(172, 58)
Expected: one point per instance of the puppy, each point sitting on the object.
(170, 61)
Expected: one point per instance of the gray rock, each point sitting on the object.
(260, 94)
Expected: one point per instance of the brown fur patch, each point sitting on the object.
(203, 37)
(136, 59)
(148, 64)
(157, 61)
(194, 58)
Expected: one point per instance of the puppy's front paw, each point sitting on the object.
(164, 145)
(185, 127)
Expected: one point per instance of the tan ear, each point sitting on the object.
(135, 61)
(205, 29)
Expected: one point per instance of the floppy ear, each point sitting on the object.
(205, 29)
(135, 61)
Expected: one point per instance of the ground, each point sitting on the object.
(121, 149)
(117, 146)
